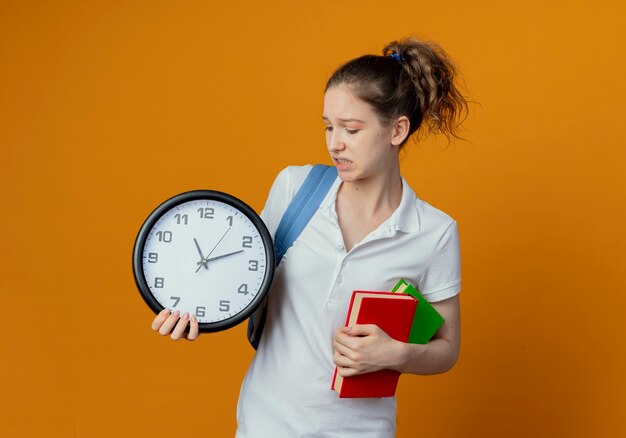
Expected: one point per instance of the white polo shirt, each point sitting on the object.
(286, 391)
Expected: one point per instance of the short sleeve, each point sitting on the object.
(442, 278)
(284, 188)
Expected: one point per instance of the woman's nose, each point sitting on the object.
(335, 143)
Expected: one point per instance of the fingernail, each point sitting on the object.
(176, 314)
(164, 311)
(347, 329)
(186, 316)
(193, 318)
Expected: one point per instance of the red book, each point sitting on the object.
(393, 313)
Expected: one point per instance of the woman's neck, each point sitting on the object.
(362, 206)
(373, 196)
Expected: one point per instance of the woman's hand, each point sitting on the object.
(172, 324)
(365, 348)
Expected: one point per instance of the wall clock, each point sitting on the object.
(207, 253)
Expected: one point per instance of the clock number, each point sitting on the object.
(224, 306)
(153, 257)
(230, 220)
(206, 212)
(181, 218)
(176, 301)
(247, 242)
(164, 236)
(200, 311)
(158, 282)
(243, 289)
(253, 265)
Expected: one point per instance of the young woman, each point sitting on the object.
(369, 231)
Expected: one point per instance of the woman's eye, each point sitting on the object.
(329, 129)
(352, 131)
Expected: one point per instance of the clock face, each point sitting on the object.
(206, 253)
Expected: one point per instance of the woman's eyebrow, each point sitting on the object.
(344, 120)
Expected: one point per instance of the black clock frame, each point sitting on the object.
(211, 195)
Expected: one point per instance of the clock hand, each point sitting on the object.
(202, 260)
(218, 242)
(220, 257)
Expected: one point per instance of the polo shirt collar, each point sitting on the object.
(404, 219)
(408, 220)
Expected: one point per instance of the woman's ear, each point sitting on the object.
(400, 130)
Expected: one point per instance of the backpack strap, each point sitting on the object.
(303, 207)
(298, 214)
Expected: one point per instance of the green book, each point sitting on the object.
(426, 321)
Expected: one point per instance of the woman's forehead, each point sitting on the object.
(341, 103)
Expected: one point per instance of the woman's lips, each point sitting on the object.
(342, 164)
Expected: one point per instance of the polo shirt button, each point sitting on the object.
(343, 264)
(339, 280)
(340, 247)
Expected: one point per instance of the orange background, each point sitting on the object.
(108, 108)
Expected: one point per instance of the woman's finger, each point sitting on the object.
(342, 361)
(169, 323)
(361, 329)
(193, 329)
(160, 318)
(179, 330)
(342, 348)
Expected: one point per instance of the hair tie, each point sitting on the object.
(397, 57)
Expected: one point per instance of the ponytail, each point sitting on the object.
(413, 78)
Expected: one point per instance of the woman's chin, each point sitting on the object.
(345, 173)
